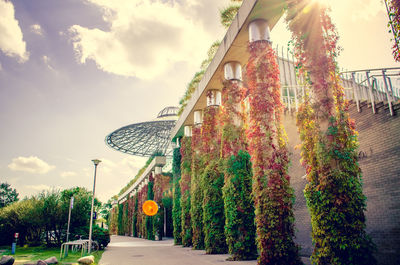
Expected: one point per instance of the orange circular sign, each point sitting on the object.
(150, 208)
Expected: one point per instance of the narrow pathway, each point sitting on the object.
(124, 250)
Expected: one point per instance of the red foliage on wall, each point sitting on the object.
(161, 185)
(271, 190)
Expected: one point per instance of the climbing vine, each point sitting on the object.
(393, 7)
(186, 164)
(161, 186)
(238, 203)
(176, 206)
(113, 221)
(212, 181)
(125, 217)
(142, 197)
(150, 219)
(272, 193)
(196, 191)
(120, 226)
(329, 144)
(135, 217)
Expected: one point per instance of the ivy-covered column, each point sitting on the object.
(114, 221)
(273, 196)
(212, 179)
(125, 217)
(130, 214)
(196, 191)
(329, 144)
(141, 216)
(239, 209)
(150, 219)
(120, 219)
(186, 170)
(161, 185)
(176, 202)
(135, 215)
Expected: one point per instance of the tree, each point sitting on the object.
(7, 194)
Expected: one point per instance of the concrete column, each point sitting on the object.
(233, 71)
(188, 131)
(198, 117)
(213, 97)
(259, 30)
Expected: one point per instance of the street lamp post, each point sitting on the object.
(95, 162)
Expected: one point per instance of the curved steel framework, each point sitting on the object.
(146, 138)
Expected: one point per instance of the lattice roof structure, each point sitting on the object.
(146, 138)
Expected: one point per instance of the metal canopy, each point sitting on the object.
(146, 138)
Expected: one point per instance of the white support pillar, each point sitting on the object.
(259, 30)
(213, 97)
(198, 117)
(188, 131)
(158, 170)
(233, 71)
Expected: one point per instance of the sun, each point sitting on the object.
(325, 3)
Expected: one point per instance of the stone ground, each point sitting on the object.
(136, 251)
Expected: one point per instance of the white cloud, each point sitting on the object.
(67, 174)
(145, 37)
(1, 67)
(46, 60)
(11, 38)
(30, 164)
(37, 29)
(133, 163)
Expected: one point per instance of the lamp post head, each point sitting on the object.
(96, 162)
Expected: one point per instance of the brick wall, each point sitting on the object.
(379, 153)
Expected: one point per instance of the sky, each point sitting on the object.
(73, 71)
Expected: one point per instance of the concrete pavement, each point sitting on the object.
(135, 251)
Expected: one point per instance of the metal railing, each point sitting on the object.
(376, 87)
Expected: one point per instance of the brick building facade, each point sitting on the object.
(379, 158)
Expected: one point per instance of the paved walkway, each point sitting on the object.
(135, 251)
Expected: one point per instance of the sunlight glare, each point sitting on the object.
(326, 3)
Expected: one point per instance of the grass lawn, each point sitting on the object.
(31, 254)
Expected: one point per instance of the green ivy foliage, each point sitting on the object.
(167, 202)
(120, 219)
(158, 223)
(240, 230)
(334, 195)
(186, 165)
(329, 143)
(125, 219)
(196, 192)
(176, 206)
(196, 212)
(135, 217)
(213, 209)
(150, 219)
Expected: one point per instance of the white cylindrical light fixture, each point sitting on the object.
(213, 97)
(158, 170)
(198, 117)
(233, 71)
(188, 131)
(259, 30)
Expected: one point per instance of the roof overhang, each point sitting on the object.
(233, 48)
(158, 161)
